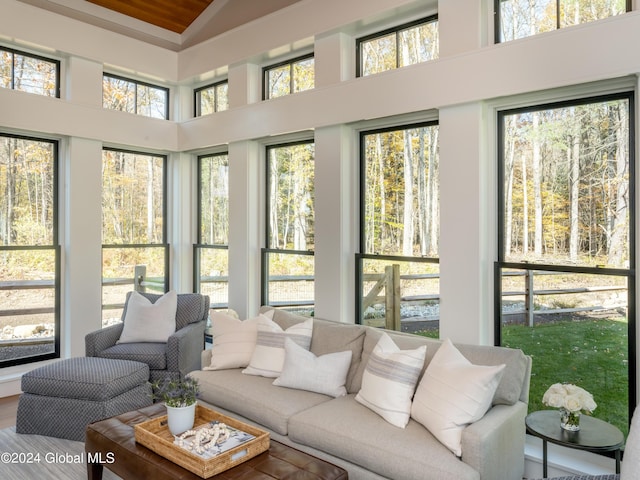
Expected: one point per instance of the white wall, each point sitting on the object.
(462, 89)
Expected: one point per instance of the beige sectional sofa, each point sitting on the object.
(345, 432)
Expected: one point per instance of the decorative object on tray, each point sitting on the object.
(179, 396)
(212, 439)
(244, 442)
(572, 402)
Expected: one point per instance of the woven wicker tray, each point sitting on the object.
(154, 434)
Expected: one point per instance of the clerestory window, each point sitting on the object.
(132, 96)
(523, 18)
(211, 98)
(29, 73)
(290, 76)
(397, 47)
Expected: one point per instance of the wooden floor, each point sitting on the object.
(8, 409)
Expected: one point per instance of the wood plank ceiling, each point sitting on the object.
(174, 15)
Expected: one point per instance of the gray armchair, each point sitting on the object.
(174, 359)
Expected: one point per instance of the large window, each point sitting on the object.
(136, 97)
(289, 77)
(211, 253)
(29, 251)
(407, 44)
(211, 98)
(288, 261)
(523, 18)
(565, 289)
(134, 252)
(397, 268)
(29, 73)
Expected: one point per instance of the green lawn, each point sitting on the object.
(590, 353)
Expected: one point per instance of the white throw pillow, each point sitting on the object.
(149, 322)
(631, 463)
(454, 393)
(267, 359)
(303, 370)
(234, 341)
(389, 380)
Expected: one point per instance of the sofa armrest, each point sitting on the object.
(494, 445)
(205, 358)
(99, 340)
(184, 347)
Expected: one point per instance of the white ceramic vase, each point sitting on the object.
(180, 419)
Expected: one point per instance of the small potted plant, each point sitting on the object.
(179, 396)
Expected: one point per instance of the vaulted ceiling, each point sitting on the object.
(172, 24)
(174, 15)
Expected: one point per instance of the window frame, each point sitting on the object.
(388, 31)
(14, 51)
(497, 27)
(362, 255)
(197, 92)
(290, 62)
(266, 250)
(629, 272)
(55, 246)
(137, 84)
(199, 245)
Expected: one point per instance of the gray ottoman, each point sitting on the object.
(61, 399)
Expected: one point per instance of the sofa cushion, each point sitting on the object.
(389, 380)
(268, 356)
(346, 429)
(305, 371)
(146, 321)
(254, 397)
(234, 341)
(452, 394)
(153, 354)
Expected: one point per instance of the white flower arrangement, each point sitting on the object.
(570, 397)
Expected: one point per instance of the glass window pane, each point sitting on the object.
(132, 198)
(222, 97)
(206, 99)
(401, 295)
(118, 94)
(121, 268)
(378, 55)
(34, 75)
(152, 102)
(291, 202)
(290, 281)
(303, 75)
(575, 327)
(279, 81)
(6, 68)
(574, 13)
(214, 200)
(401, 192)
(566, 185)
(214, 275)
(26, 191)
(419, 44)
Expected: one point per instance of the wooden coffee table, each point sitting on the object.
(111, 443)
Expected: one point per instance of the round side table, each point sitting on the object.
(595, 435)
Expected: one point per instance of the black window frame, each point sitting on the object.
(138, 83)
(383, 33)
(362, 255)
(290, 62)
(197, 108)
(58, 263)
(629, 273)
(199, 245)
(497, 28)
(13, 52)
